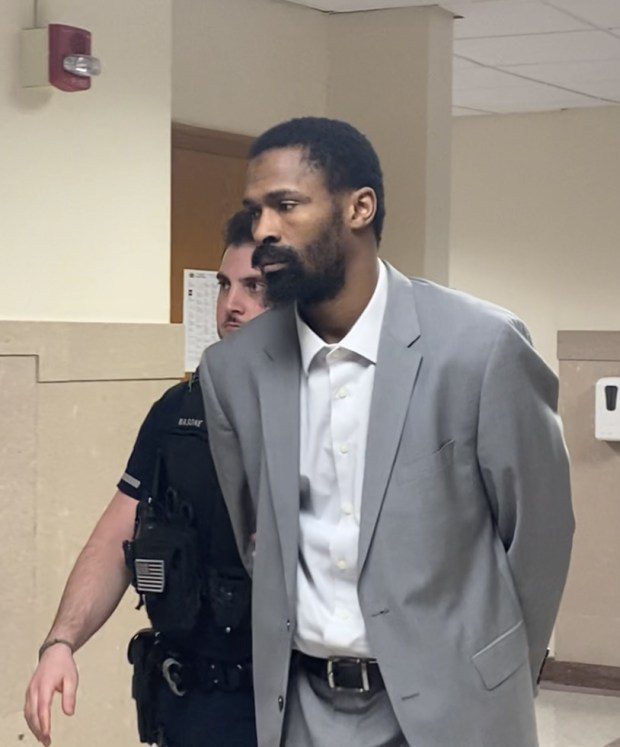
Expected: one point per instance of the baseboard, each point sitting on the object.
(580, 677)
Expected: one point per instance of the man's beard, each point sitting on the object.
(295, 281)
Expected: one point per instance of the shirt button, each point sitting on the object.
(280, 702)
(344, 448)
(342, 564)
(347, 508)
(288, 624)
(343, 392)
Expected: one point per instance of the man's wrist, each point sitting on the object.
(52, 642)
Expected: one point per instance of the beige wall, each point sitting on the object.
(243, 65)
(85, 213)
(84, 208)
(71, 399)
(535, 219)
(85, 177)
(287, 61)
(407, 116)
(535, 227)
(588, 626)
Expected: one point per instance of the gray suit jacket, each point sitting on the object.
(466, 521)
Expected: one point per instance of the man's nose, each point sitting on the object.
(235, 300)
(266, 229)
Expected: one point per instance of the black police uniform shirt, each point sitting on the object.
(176, 425)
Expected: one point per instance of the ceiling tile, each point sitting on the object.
(504, 17)
(604, 89)
(344, 6)
(525, 107)
(484, 77)
(563, 47)
(458, 63)
(501, 44)
(459, 111)
(528, 94)
(602, 13)
(605, 13)
(570, 74)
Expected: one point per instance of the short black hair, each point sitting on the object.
(238, 230)
(345, 155)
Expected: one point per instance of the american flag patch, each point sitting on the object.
(150, 576)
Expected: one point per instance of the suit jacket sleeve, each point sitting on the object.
(524, 465)
(226, 452)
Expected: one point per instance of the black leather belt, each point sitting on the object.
(344, 673)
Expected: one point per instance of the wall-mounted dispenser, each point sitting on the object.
(59, 56)
(607, 418)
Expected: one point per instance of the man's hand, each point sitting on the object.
(56, 673)
(85, 606)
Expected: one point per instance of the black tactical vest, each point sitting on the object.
(222, 628)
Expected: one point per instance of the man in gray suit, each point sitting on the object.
(396, 448)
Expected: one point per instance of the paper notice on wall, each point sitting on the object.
(200, 291)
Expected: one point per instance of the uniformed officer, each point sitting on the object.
(205, 698)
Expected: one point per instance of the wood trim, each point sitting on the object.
(588, 346)
(581, 677)
(188, 137)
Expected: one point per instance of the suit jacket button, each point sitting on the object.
(280, 702)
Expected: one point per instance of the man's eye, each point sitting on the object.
(224, 284)
(287, 206)
(255, 286)
(255, 213)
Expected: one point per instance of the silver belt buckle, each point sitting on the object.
(331, 677)
(169, 675)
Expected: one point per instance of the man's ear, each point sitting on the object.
(363, 208)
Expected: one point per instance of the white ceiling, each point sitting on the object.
(524, 55)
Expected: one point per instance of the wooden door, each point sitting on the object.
(208, 179)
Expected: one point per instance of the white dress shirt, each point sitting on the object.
(336, 389)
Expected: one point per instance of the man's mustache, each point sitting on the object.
(270, 254)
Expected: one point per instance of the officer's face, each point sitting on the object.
(241, 295)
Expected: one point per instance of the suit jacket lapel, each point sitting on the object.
(398, 362)
(279, 402)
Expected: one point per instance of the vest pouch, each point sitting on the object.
(229, 595)
(167, 575)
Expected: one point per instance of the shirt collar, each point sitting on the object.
(362, 338)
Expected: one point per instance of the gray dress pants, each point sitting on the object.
(317, 716)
